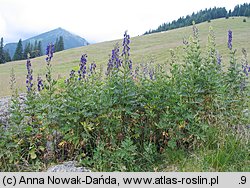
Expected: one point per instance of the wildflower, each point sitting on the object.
(29, 76)
(245, 66)
(230, 39)
(246, 69)
(114, 60)
(72, 73)
(83, 69)
(218, 58)
(136, 72)
(195, 30)
(110, 66)
(151, 74)
(40, 85)
(130, 65)
(49, 52)
(126, 50)
(116, 57)
(125, 44)
(92, 68)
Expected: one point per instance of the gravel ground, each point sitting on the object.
(70, 166)
(4, 110)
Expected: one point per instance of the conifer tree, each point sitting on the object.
(60, 44)
(39, 48)
(27, 50)
(7, 56)
(18, 55)
(2, 58)
(56, 45)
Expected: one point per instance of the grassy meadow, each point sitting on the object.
(153, 47)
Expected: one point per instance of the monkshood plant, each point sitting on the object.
(129, 117)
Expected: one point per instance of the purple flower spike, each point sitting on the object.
(92, 68)
(49, 52)
(125, 44)
(82, 70)
(29, 76)
(230, 39)
(130, 65)
(72, 73)
(218, 59)
(114, 60)
(126, 50)
(151, 74)
(246, 69)
(245, 66)
(40, 85)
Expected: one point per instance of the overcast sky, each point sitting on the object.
(95, 20)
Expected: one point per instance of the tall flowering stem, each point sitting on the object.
(40, 85)
(126, 51)
(245, 66)
(114, 60)
(49, 52)
(218, 56)
(29, 77)
(92, 68)
(195, 31)
(82, 67)
(230, 40)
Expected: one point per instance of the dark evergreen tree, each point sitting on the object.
(7, 56)
(2, 58)
(60, 44)
(39, 48)
(35, 51)
(18, 55)
(241, 10)
(27, 50)
(56, 45)
(32, 55)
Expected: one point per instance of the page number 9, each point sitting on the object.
(243, 180)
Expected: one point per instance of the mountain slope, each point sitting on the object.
(203, 16)
(70, 40)
(143, 49)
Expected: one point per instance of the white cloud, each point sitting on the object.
(2, 25)
(95, 20)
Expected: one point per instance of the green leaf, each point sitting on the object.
(32, 154)
(172, 144)
(41, 148)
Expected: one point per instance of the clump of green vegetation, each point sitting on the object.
(136, 117)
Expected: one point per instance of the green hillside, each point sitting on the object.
(143, 49)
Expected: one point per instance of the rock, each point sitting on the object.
(4, 110)
(5, 103)
(69, 166)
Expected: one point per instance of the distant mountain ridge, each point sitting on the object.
(70, 40)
